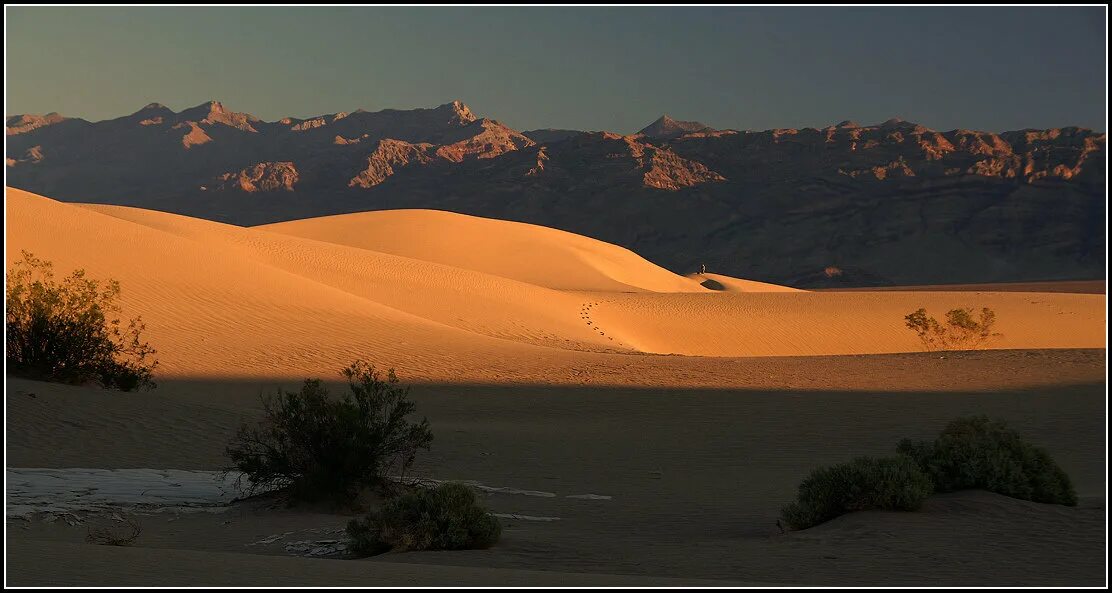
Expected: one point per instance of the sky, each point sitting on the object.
(584, 68)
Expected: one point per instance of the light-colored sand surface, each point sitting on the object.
(535, 254)
(230, 301)
(555, 370)
(1075, 286)
(823, 323)
(718, 282)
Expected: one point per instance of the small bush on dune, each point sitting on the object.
(961, 331)
(980, 453)
(970, 453)
(447, 517)
(65, 332)
(865, 483)
(318, 448)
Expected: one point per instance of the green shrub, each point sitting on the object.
(895, 484)
(980, 453)
(64, 332)
(961, 331)
(318, 448)
(447, 517)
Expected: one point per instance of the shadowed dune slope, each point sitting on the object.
(227, 300)
(215, 305)
(73, 565)
(465, 299)
(526, 252)
(729, 284)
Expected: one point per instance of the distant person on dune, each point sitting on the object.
(703, 268)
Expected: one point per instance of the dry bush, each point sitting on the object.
(65, 331)
(445, 517)
(979, 453)
(865, 483)
(970, 453)
(318, 448)
(961, 331)
(123, 534)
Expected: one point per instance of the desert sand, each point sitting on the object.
(690, 407)
(1075, 286)
(694, 477)
(233, 301)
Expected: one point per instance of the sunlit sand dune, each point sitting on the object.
(452, 297)
(530, 253)
(601, 399)
(210, 310)
(728, 284)
(481, 303)
(814, 323)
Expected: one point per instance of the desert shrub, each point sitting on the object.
(980, 453)
(65, 331)
(318, 448)
(446, 517)
(960, 332)
(865, 483)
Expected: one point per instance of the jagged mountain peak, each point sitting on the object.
(461, 113)
(898, 123)
(152, 110)
(213, 111)
(19, 124)
(211, 106)
(721, 190)
(667, 127)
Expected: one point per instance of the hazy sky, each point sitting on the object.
(584, 68)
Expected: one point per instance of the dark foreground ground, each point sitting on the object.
(695, 479)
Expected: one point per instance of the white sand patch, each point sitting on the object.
(63, 492)
(266, 541)
(306, 547)
(524, 517)
(478, 486)
(320, 547)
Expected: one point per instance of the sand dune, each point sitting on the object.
(526, 252)
(728, 284)
(221, 300)
(456, 297)
(812, 323)
(208, 309)
(1074, 286)
(642, 484)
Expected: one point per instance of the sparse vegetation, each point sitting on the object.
(865, 483)
(123, 534)
(980, 453)
(970, 453)
(317, 448)
(446, 517)
(67, 331)
(960, 332)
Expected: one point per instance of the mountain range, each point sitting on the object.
(848, 204)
